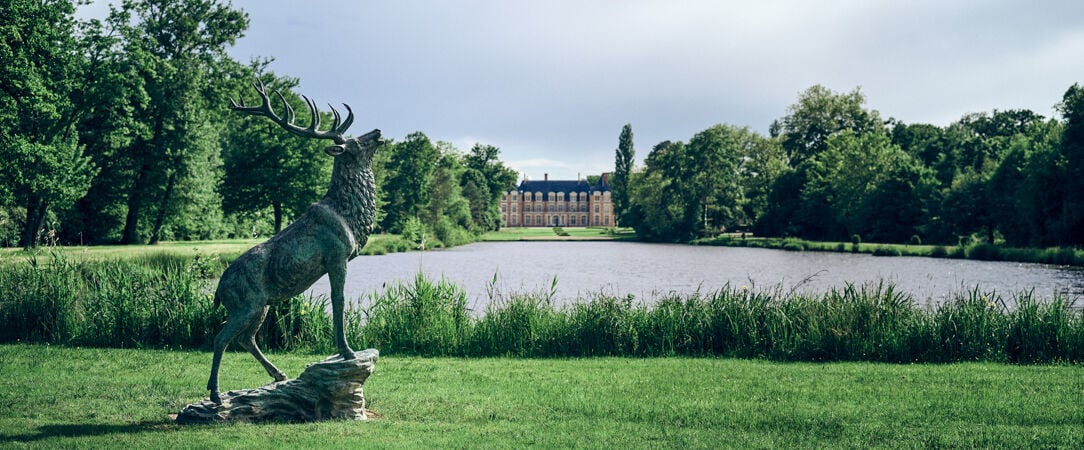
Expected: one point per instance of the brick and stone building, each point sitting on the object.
(559, 203)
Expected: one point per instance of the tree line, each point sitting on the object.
(833, 169)
(118, 131)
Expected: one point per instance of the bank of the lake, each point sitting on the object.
(977, 251)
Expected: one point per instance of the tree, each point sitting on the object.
(818, 114)
(266, 167)
(712, 167)
(43, 163)
(1071, 229)
(448, 212)
(657, 209)
(762, 162)
(172, 47)
(407, 187)
(872, 187)
(624, 160)
(492, 179)
(804, 134)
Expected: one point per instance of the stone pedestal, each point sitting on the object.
(329, 389)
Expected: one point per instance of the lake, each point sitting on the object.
(648, 271)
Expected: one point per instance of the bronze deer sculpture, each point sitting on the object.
(321, 241)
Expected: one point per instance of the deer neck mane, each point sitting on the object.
(352, 194)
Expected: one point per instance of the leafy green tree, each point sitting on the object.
(491, 178)
(804, 134)
(715, 190)
(448, 213)
(657, 206)
(172, 47)
(266, 167)
(818, 114)
(42, 161)
(874, 188)
(408, 184)
(1071, 229)
(624, 160)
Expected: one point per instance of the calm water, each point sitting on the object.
(650, 270)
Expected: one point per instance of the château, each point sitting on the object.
(559, 203)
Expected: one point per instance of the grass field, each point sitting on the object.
(68, 397)
(548, 234)
(228, 249)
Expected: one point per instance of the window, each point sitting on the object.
(513, 208)
(551, 208)
(607, 220)
(538, 220)
(502, 208)
(513, 220)
(561, 208)
(596, 219)
(572, 220)
(583, 220)
(596, 210)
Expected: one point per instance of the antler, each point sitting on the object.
(265, 109)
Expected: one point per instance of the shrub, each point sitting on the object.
(793, 246)
(887, 251)
(856, 240)
(939, 251)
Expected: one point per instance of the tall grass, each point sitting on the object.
(126, 304)
(154, 301)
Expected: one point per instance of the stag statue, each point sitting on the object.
(320, 242)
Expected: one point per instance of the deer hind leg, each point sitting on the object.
(235, 324)
(250, 345)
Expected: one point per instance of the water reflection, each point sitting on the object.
(650, 270)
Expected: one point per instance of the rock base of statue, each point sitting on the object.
(329, 389)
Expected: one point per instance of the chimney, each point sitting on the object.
(606, 178)
(546, 177)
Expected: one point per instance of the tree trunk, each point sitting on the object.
(35, 216)
(163, 208)
(277, 207)
(135, 203)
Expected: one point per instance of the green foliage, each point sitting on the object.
(41, 160)
(407, 187)
(624, 162)
(267, 167)
(887, 251)
(486, 179)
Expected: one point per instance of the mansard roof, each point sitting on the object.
(566, 186)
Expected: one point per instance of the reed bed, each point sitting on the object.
(168, 304)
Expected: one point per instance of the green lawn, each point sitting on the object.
(225, 247)
(548, 234)
(64, 397)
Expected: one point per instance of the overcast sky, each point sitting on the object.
(552, 82)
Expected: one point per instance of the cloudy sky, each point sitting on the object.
(552, 82)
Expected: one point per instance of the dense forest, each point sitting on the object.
(119, 131)
(832, 169)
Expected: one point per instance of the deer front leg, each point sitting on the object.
(337, 276)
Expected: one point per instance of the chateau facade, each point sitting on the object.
(559, 203)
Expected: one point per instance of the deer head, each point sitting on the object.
(363, 145)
